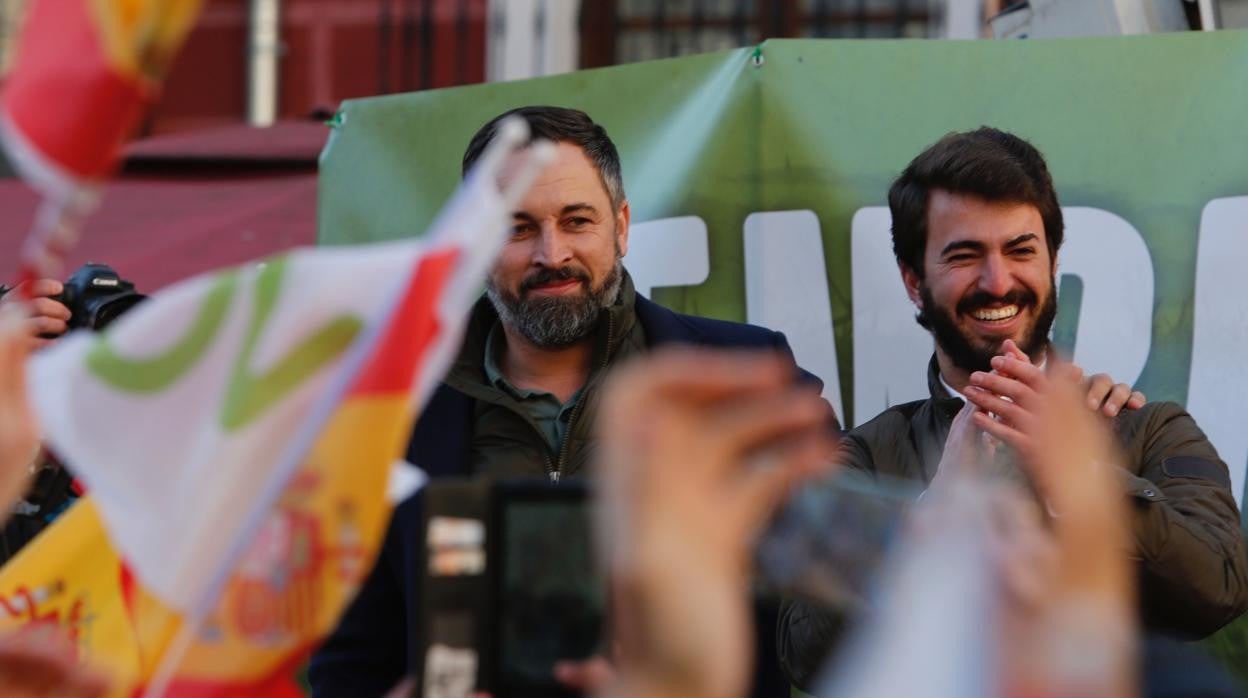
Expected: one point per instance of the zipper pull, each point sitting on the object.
(554, 477)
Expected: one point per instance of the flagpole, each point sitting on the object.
(172, 658)
(55, 231)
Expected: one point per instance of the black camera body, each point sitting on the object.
(96, 295)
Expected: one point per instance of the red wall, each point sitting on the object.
(332, 50)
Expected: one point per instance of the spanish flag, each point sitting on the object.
(84, 73)
(240, 435)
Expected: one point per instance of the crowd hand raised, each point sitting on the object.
(697, 448)
(44, 316)
(19, 430)
(1080, 638)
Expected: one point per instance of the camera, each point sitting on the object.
(96, 295)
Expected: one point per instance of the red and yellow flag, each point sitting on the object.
(304, 565)
(84, 73)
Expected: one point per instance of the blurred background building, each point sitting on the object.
(203, 188)
(261, 61)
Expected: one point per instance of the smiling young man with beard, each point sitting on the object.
(976, 232)
(558, 313)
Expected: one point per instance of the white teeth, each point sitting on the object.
(1005, 313)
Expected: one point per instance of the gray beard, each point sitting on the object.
(552, 322)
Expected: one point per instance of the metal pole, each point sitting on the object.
(262, 53)
(561, 37)
(964, 19)
(1209, 19)
(512, 48)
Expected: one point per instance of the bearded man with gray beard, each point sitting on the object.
(558, 313)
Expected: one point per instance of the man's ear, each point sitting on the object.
(913, 284)
(622, 217)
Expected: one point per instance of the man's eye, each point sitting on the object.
(958, 258)
(521, 229)
(1024, 251)
(578, 222)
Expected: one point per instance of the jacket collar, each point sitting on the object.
(943, 403)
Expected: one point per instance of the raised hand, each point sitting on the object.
(697, 449)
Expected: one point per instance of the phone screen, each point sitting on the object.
(552, 595)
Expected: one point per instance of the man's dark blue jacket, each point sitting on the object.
(369, 652)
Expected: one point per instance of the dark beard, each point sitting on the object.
(962, 350)
(551, 322)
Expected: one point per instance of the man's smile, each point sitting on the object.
(996, 314)
(998, 320)
(558, 287)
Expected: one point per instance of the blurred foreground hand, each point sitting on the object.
(42, 316)
(35, 665)
(697, 448)
(1073, 633)
(19, 432)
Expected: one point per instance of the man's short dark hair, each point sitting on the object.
(561, 125)
(989, 163)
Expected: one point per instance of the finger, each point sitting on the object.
(1137, 401)
(589, 676)
(986, 401)
(403, 689)
(47, 325)
(14, 348)
(762, 489)
(1118, 397)
(49, 308)
(1076, 372)
(1020, 370)
(38, 287)
(1099, 387)
(703, 374)
(1003, 385)
(85, 683)
(741, 426)
(1003, 432)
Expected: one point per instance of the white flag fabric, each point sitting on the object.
(932, 628)
(187, 417)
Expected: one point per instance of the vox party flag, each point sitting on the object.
(238, 433)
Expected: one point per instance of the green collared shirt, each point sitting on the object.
(545, 409)
(517, 433)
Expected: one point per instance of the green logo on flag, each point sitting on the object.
(250, 393)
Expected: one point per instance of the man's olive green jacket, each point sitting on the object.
(1193, 562)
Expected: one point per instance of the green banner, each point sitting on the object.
(1145, 137)
(758, 179)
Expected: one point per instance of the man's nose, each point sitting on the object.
(552, 247)
(994, 277)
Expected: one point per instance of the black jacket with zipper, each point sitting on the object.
(372, 647)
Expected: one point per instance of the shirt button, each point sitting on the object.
(1149, 493)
